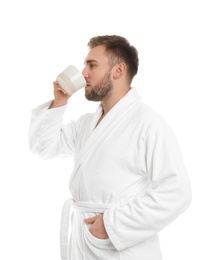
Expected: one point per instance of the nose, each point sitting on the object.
(85, 73)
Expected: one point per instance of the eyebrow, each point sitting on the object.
(90, 61)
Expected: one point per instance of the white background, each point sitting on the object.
(178, 45)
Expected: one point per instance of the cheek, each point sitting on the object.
(95, 76)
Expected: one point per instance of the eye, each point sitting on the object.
(92, 65)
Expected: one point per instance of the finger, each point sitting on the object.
(89, 220)
(56, 83)
(57, 87)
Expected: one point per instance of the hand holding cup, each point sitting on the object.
(66, 84)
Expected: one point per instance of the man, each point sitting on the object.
(129, 180)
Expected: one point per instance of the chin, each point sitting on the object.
(92, 99)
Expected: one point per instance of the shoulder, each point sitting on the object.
(147, 115)
(152, 123)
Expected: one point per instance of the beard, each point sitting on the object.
(101, 90)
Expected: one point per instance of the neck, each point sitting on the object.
(113, 98)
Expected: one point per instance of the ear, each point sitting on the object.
(119, 70)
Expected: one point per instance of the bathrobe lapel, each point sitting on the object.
(113, 119)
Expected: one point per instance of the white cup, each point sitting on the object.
(71, 80)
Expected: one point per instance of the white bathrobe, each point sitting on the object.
(129, 167)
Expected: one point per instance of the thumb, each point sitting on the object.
(90, 220)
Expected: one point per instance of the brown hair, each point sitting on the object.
(119, 50)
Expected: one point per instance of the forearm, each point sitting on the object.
(47, 136)
(57, 103)
(144, 217)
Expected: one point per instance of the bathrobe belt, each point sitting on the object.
(72, 217)
(72, 220)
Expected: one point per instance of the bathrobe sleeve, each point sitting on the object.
(48, 137)
(168, 196)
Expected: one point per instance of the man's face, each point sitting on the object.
(97, 74)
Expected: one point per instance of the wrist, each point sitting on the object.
(56, 104)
